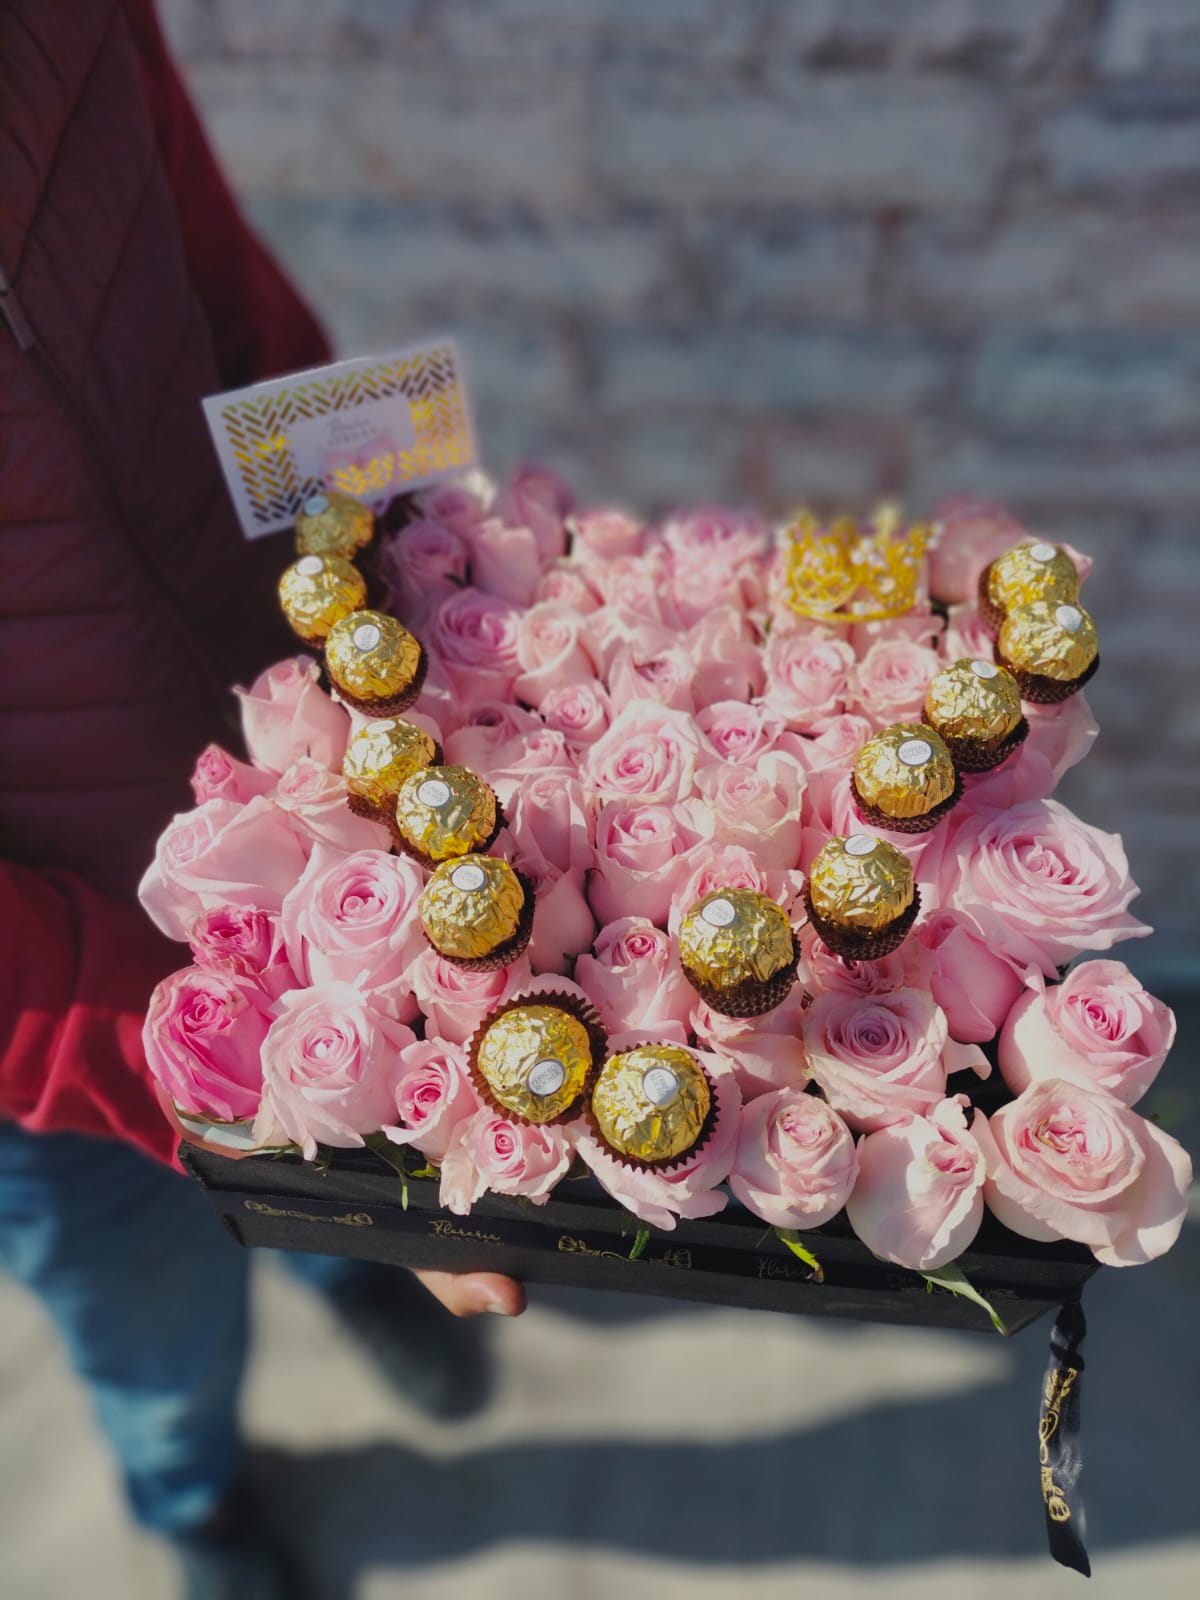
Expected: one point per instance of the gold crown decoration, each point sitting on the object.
(851, 571)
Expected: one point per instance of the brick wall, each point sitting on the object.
(768, 250)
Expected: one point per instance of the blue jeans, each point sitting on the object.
(149, 1294)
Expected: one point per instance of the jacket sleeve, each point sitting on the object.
(76, 972)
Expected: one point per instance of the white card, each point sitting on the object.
(372, 427)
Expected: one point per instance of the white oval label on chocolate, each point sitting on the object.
(309, 566)
(985, 669)
(718, 913)
(1070, 618)
(546, 1076)
(660, 1086)
(468, 877)
(915, 752)
(1042, 552)
(434, 794)
(859, 844)
(315, 504)
(367, 636)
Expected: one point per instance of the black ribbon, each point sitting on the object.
(1060, 1459)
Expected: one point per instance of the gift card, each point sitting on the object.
(373, 427)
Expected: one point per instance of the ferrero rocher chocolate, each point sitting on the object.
(904, 777)
(317, 591)
(374, 662)
(445, 811)
(650, 1104)
(738, 951)
(861, 897)
(379, 759)
(1032, 571)
(1048, 641)
(472, 907)
(975, 702)
(332, 524)
(535, 1060)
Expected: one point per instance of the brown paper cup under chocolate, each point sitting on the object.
(504, 954)
(1040, 690)
(875, 818)
(405, 849)
(583, 1013)
(864, 944)
(748, 998)
(971, 757)
(990, 614)
(669, 1164)
(394, 704)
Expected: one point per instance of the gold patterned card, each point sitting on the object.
(372, 427)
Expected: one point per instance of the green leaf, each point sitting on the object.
(640, 1243)
(379, 1144)
(789, 1237)
(953, 1278)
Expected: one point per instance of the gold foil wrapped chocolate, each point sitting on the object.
(382, 756)
(1048, 640)
(735, 936)
(373, 660)
(860, 882)
(317, 591)
(445, 811)
(650, 1104)
(471, 906)
(332, 524)
(976, 701)
(905, 771)
(535, 1060)
(1031, 571)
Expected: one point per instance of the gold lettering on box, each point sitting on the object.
(1058, 1387)
(453, 1231)
(351, 1219)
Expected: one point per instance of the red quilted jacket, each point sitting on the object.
(129, 602)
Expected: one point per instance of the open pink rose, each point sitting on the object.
(434, 1097)
(974, 986)
(1097, 1027)
(757, 807)
(538, 499)
(552, 651)
(880, 1058)
(220, 854)
(331, 1064)
(1038, 885)
(579, 711)
(315, 802)
(891, 680)
(479, 740)
(549, 814)
(454, 1000)
(648, 757)
(807, 675)
(642, 855)
(566, 584)
(919, 1196)
(726, 659)
(220, 776)
(244, 940)
(474, 635)
(489, 1152)
(740, 732)
(1069, 1162)
(285, 715)
(203, 1036)
(634, 978)
(796, 1162)
(604, 534)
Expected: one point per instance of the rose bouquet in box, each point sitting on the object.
(700, 858)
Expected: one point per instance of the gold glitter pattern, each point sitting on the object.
(893, 785)
(445, 811)
(533, 1047)
(1033, 639)
(338, 525)
(382, 756)
(867, 892)
(961, 704)
(744, 937)
(371, 671)
(471, 922)
(317, 591)
(636, 1110)
(1017, 577)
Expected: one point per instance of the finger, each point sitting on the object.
(468, 1293)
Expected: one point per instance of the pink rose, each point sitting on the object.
(796, 1162)
(891, 680)
(648, 757)
(489, 1152)
(434, 1097)
(654, 666)
(967, 636)
(315, 801)
(454, 1000)
(974, 986)
(1069, 1162)
(563, 924)
(631, 587)
(972, 533)
(881, 1058)
(727, 663)
(331, 1065)
(634, 978)
(641, 853)
(828, 971)
(541, 750)
(475, 637)
(552, 652)
(354, 919)
(715, 559)
(488, 728)
(729, 866)
(757, 807)
(566, 584)
(1038, 885)
(285, 715)
(537, 499)
(220, 776)
(604, 535)
(1061, 734)
(579, 711)
(246, 941)
(422, 564)
(807, 675)
(220, 854)
(459, 506)
(765, 1052)
(919, 1196)
(921, 626)
(740, 732)
(687, 1188)
(827, 755)
(504, 561)
(1098, 1027)
(550, 815)
(202, 1037)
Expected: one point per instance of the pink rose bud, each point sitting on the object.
(634, 978)
(474, 636)
(891, 680)
(203, 1036)
(480, 739)
(648, 757)
(919, 1196)
(247, 941)
(315, 801)
(604, 535)
(538, 499)
(972, 533)
(504, 561)
(285, 715)
(566, 584)
(454, 1000)
(459, 505)
(220, 776)
(434, 1097)
(740, 732)
(757, 807)
(796, 1162)
(579, 711)
(642, 857)
(808, 676)
(551, 815)
(974, 987)
(506, 1157)
(715, 558)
